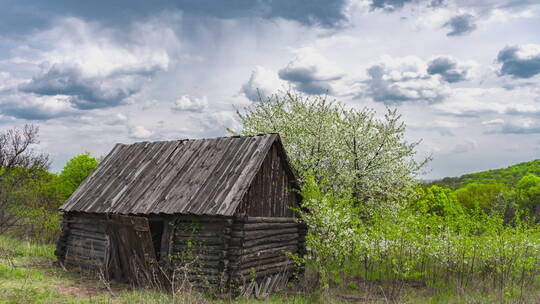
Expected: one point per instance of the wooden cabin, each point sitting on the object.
(218, 210)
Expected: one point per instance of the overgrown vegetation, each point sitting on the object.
(29, 194)
(440, 246)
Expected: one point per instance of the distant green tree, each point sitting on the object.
(438, 201)
(528, 194)
(478, 196)
(74, 173)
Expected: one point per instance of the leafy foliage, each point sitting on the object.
(436, 200)
(346, 150)
(74, 173)
(37, 195)
(19, 165)
(478, 196)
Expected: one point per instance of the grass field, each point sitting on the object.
(27, 275)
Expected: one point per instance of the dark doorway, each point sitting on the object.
(156, 229)
(132, 254)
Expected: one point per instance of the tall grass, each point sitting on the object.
(18, 248)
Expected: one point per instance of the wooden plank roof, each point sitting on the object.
(200, 176)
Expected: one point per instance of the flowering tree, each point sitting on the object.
(347, 150)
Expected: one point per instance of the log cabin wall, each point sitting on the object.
(199, 249)
(270, 193)
(258, 250)
(83, 241)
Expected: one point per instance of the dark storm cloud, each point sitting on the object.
(448, 69)
(534, 113)
(39, 14)
(315, 88)
(31, 113)
(481, 6)
(518, 65)
(394, 5)
(460, 25)
(306, 80)
(311, 73)
(85, 92)
(389, 5)
(517, 129)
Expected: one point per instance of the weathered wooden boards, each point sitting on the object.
(271, 193)
(243, 255)
(199, 250)
(83, 242)
(115, 246)
(132, 254)
(199, 177)
(259, 260)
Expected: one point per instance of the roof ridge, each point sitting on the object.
(194, 139)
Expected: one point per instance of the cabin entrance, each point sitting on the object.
(156, 230)
(132, 257)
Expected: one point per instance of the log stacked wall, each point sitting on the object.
(199, 249)
(258, 248)
(84, 241)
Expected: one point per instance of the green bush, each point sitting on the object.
(36, 201)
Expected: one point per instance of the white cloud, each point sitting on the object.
(262, 83)
(189, 104)
(139, 132)
(216, 123)
(100, 51)
(7, 81)
(496, 121)
(476, 102)
(405, 79)
(118, 119)
(32, 107)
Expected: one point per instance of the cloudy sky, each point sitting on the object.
(464, 74)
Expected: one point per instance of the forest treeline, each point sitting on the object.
(507, 191)
(509, 177)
